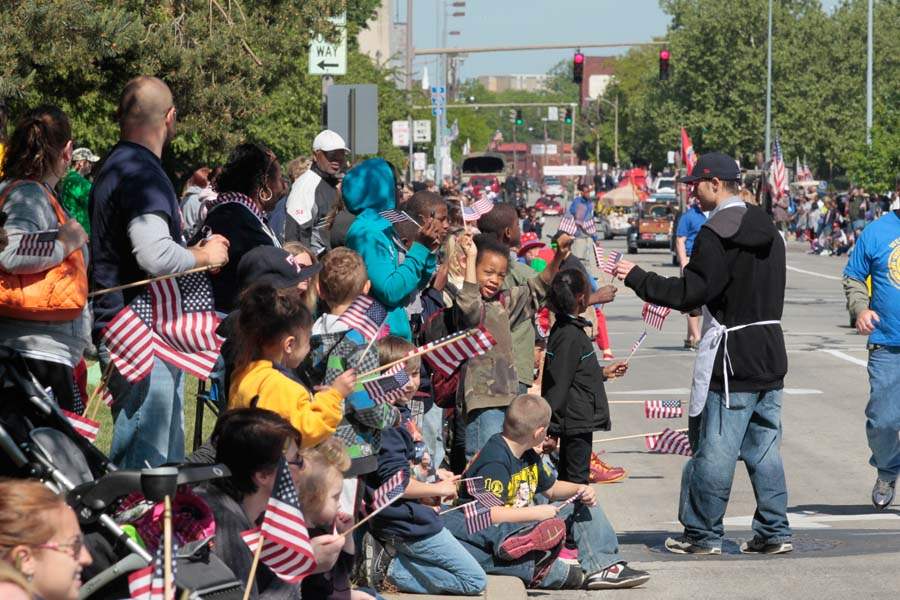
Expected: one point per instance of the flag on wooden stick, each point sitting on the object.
(669, 441)
(663, 409)
(655, 315)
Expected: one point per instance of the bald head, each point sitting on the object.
(145, 102)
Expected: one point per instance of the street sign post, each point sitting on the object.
(422, 131)
(328, 58)
(400, 133)
(353, 113)
(552, 113)
(438, 100)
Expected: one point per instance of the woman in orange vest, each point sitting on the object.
(43, 277)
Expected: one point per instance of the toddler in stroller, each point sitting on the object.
(38, 442)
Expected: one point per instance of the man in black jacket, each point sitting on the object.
(737, 274)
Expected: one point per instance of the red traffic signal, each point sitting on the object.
(663, 65)
(578, 67)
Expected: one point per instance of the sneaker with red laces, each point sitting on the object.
(544, 535)
(600, 472)
(569, 555)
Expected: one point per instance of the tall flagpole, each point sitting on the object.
(769, 89)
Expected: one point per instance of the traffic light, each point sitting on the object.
(663, 65)
(578, 67)
(519, 120)
(568, 118)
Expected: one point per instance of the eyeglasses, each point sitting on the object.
(75, 546)
(295, 463)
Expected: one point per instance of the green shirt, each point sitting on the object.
(74, 191)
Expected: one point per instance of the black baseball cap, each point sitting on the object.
(714, 164)
(275, 266)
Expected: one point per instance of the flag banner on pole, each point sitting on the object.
(389, 491)
(286, 548)
(478, 516)
(387, 389)
(588, 226)
(669, 441)
(448, 358)
(395, 216)
(106, 396)
(778, 184)
(598, 255)
(475, 487)
(688, 157)
(37, 243)
(470, 214)
(175, 320)
(655, 315)
(87, 428)
(612, 261)
(149, 583)
(366, 315)
(483, 206)
(567, 225)
(663, 409)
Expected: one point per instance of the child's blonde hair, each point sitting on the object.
(323, 466)
(393, 348)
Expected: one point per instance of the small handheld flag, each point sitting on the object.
(475, 487)
(448, 358)
(663, 409)
(387, 389)
(612, 260)
(669, 441)
(572, 499)
(483, 206)
(655, 315)
(477, 516)
(149, 583)
(598, 255)
(389, 491)
(567, 225)
(588, 226)
(637, 344)
(366, 315)
(397, 216)
(87, 428)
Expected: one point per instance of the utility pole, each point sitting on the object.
(409, 45)
(869, 52)
(769, 90)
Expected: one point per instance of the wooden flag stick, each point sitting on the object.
(152, 279)
(372, 343)
(450, 510)
(418, 352)
(369, 516)
(252, 576)
(631, 437)
(92, 401)
(168, 587)
(625, 401)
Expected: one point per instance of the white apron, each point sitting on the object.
(714, 333)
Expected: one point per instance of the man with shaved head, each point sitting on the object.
(135, 234)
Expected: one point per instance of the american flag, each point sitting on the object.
(568, 225)
(448, 358)
(612, 260)
(470, 214)
(389, 491)
(387, 388)
(396, 216)
(87, 428)
(483, 206)
(669, 441)
(149, 583)
(637, 344)
(663, 409)
(572, 499)
(286, 549)
(38, 243)
(475, 487)
(478, 516)
(588, 226)
(598, 255)
(366, 315)
(778, 184)
(655, 315)
(175, 320)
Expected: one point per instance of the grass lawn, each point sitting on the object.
(104, 438)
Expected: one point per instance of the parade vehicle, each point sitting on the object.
(548, 206)
(664, 185)
(483, 169)
(551, 186)
(652, 226)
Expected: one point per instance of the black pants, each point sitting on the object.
(575, 457)
(59, 378)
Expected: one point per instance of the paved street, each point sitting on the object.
(842, 547)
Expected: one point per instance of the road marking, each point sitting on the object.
(801, 392)
(807, 520)
(813, 273)
(847, 357)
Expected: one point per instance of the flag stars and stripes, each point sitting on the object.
(663, 409)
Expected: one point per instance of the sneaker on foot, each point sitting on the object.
(760, 546)
(569, 555)
(543, 562)
(883, 493)
(683, 546)
(544, 535)
(574, 578)
(377, 565)
(600, 472)
(617, 576)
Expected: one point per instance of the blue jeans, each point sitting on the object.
(480, 426)
(595, 538)
(883, 412)
(750, 430)
(148, 416)
(436, 565)
(433, 434)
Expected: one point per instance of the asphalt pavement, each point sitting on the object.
(843, 547)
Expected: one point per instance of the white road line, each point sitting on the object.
(847, 357)
(813, 273)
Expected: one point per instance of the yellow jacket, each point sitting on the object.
(315, 418)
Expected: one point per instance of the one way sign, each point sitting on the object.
(326, 58)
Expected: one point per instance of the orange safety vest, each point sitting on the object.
(57, 294)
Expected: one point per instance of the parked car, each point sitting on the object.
(548, 206)
(652, 228)
(664, 184)
(552, 186)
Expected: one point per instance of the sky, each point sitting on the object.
(519, 22)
